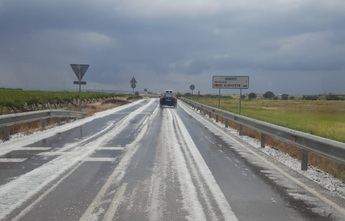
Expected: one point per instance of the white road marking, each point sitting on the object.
(43, 195)
(111, 148)
(99, 159)
(190, 199)
(206, 178)
(12, 160)
(53, 153)
(109, 215)
(59, 153)
(34, 148)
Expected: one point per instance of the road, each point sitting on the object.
(140, 162)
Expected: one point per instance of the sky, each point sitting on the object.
(286, 46)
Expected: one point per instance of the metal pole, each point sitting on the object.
(219, 98)
(240, 107)
(79, 98)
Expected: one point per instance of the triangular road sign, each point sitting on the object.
(80, 70)
(133, 81)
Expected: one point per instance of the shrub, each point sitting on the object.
(269, 95)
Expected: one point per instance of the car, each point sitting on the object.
(168, 99)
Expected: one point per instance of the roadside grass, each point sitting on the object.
(16, 100)
(322, 118)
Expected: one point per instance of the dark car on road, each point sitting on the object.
(168, 99)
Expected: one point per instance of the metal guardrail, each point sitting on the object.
(18, 118)
(330, 149)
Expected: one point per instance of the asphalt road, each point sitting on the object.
(140, 162)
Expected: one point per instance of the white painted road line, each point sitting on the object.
(99, 159)
(34, 148)
(110, 148)
(12, 160)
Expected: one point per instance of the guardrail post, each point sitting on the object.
(262, 139)
(216, 118)
(304, 160)
(7, 132)
(59, 121)
(43, 124)
(240, 130)
(226, 124)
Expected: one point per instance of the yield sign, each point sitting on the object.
(133, 81)
(80, 70)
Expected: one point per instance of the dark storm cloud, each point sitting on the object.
(287, 46)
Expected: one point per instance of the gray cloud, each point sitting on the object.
(286, 46)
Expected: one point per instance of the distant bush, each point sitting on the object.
(252, 95)
(334, 97)
(269, 95)
(311, 97)
(285, 97)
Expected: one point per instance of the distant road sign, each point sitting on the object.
(230, 82)
(133, 83)
(80, 70)
(192, 87)
(81, 82)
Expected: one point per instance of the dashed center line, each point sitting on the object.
(12, 160)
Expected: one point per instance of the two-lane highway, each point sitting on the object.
(141, 162)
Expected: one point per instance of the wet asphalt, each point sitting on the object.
(141, 181)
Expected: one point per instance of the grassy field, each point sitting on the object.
(20, 100)
(321, 117)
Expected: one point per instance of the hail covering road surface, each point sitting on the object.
(140, 162)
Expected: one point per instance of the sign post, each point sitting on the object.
(79, 70)
(219, 98)
(192, 87)
(231, 82)
(133, 84)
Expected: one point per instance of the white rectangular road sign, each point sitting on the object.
(230, 82)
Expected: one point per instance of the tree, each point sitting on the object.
(252, 95)
(285, 96)
(269, 95)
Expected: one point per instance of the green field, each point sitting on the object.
(321, 117)
(12, 100)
